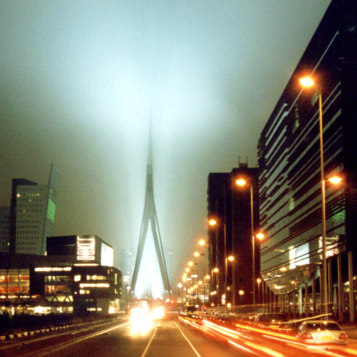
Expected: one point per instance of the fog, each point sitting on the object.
(81, 81)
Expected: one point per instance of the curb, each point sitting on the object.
(44, 330)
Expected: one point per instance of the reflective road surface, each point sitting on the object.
(171, 336)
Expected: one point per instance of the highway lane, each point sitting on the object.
(170, 336)
(165, 337)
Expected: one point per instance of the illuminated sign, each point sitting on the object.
(85, 249)
(107, 255)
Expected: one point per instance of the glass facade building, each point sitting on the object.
(32, 214)
(289, 165)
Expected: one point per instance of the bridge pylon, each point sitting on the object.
(150, 219)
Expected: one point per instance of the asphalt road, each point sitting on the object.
(168, 337)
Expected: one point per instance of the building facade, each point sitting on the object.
(77, 276)
(32, 214)
(290, 169)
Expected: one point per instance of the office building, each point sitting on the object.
(290, 183)
(32, 214)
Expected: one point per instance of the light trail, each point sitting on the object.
(241, 347)
(265, 349)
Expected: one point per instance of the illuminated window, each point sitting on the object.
(96, 277)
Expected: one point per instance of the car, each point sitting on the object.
(290, 328)
(246, 319)
(191, 311)
(270, 320)
(321, 332)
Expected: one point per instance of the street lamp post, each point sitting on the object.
(259, 281)
(179, 285)
(308, 82)
(230, 258)
(197, 254)
(191, 264)
(242, 182)
(253, 241)
(214, 282)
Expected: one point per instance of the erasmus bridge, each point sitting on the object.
(150, 220)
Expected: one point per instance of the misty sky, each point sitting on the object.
(81, 80)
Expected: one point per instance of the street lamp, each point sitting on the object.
(212, 222)
(308, 82)
(259, 281)
(231, 259)
(214, 280)
(243, 182)
(197, 254)
(207, 277)
(179, 285)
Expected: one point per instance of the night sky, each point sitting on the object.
(81, 81)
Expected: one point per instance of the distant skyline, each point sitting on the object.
(80, 81)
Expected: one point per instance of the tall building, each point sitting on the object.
(290, 182)
(32, 214)
(230, 206)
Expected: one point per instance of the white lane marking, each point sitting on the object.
(189, 342)
(148, 345)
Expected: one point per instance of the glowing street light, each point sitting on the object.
(242, 182)
(335, 180)
(308, 82)
(260, 236)
(231, 259)
(259, 281)
(212, 222)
